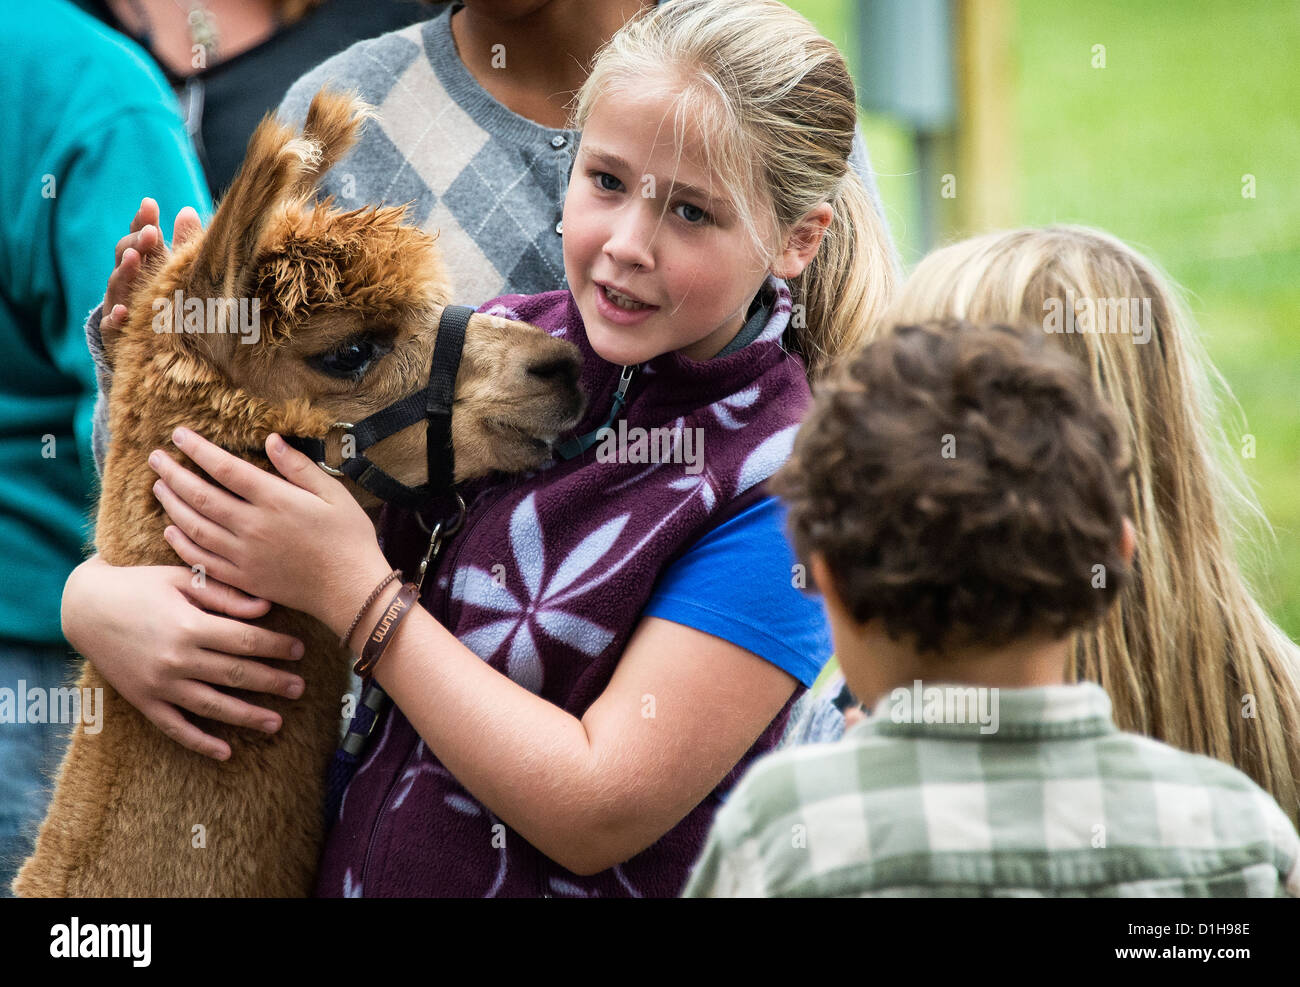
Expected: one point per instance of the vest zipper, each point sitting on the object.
(393, 708)
(383, 809)
(450, 560)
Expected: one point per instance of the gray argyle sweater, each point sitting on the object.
(489, 182)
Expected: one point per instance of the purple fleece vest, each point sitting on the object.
(578, 546)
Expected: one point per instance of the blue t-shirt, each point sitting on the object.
(764, 611)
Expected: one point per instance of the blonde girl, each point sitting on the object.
(1188, 655)
(605, 645)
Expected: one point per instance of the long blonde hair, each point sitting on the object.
(778, 106)
(1188, 655)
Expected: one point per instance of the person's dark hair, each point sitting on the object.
(965, 484)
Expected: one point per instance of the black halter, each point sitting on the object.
(431, 403)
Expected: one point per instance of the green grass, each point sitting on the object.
(1153, 148)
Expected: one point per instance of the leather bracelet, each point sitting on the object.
(347, 635)
(386, 629)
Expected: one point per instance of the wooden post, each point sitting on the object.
(987, 175)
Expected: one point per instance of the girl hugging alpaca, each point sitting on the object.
(587, 679)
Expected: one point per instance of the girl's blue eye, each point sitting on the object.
(601, 177)
(694, 214)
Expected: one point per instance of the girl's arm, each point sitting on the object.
(681, 710)
(148, 631)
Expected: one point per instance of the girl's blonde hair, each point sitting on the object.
(1187, 655)
(779, 110)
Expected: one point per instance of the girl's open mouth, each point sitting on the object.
(620, 308)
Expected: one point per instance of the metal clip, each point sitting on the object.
(437, 536)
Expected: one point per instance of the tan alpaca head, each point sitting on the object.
(295, 315)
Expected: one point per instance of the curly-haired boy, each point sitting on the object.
(959, 495)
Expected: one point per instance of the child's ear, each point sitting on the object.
(802, 243)
(1128, 542)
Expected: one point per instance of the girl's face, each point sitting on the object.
(656, 257)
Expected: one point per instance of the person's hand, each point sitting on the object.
(132, 251)
(301, 541)
(146, 629)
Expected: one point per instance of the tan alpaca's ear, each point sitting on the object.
(281, 168)
(334, 121)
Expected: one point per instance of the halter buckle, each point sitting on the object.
(345, 426)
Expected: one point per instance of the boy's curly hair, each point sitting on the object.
(963, 482)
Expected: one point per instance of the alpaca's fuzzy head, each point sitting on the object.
(311, 314)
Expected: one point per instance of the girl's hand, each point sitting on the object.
(146, 630)
(132, 251)
(302, 541)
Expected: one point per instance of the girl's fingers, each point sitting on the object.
(122, 245)
(124, 273)
(143, 241)
(211, 593)
(119, 288)
(186, 225)
(192, 555)
(234, 637)
(170, 721)
(241, 478)
(240, 673)
(202, 531)
(212, 704)
(144, 216)
(297, 468)
(207, 499)
(111, 323)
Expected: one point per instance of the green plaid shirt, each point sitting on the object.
(1056, 801)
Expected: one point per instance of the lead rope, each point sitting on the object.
(347, 757)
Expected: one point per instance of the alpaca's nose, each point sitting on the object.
(558, 369)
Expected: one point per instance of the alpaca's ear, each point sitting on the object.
(274, 165)
(334, 121)
(224, 265)
(281, 168)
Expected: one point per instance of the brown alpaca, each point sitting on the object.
(124, 815)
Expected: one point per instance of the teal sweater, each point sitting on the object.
(87, 129)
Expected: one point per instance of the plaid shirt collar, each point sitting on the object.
(967, 712)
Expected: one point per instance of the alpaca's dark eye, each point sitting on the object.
(350, 360)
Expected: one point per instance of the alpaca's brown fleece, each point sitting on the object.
(123, 817)
(126, 813)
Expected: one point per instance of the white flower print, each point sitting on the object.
(350, 890)
(766, 458)
(540, 611)
(741, 399)
(700, 484)
(676, 437)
